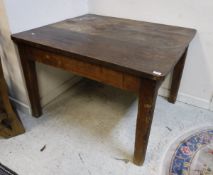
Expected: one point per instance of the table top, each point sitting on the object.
(140, 48)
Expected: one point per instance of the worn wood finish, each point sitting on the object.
(135, 47)
(29, 69)
(127, 54)
(90, 70)
(10, 124)
(146, 105)
(176, 78)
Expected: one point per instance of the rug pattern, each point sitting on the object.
(194, 155)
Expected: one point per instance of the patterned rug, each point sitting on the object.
(6, 171)
(191, 155)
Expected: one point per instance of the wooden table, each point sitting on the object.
(127, 54)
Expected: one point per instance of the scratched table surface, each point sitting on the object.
(140, 48)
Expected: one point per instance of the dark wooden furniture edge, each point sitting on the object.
(87, 59)
(10, 123)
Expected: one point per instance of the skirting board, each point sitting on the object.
(185, 98)
(211, 105)
(48, 97)
(188, 99)
(59, 90)
(20, 106)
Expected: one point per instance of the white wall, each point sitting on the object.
(197, 82)
(27, 14)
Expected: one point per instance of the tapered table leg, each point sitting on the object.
(146, 105)
(29, 70)
(176, 78)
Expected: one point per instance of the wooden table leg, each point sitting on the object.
(147, 98)
(176, 78)
(29, 69)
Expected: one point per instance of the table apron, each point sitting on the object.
(89, 70)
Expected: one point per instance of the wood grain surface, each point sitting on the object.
(140, 48)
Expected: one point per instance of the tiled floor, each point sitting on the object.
(89, 130)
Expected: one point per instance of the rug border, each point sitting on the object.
(167, 154)
(4, 168)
